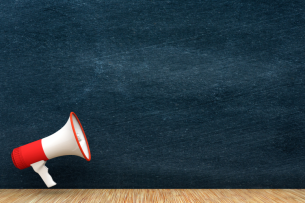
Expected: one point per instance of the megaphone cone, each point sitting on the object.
(69, 140)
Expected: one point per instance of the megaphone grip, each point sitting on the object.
(28, 154)
(46, 177)
(40, 168)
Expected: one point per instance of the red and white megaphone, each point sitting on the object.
(69, 140)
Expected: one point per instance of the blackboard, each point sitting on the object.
(171, 94)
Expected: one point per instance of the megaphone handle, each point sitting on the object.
(40, 168)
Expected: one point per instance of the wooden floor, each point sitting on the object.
(150, 195)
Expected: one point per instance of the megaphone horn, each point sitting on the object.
(69, 140)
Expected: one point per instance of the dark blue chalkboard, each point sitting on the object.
(171, 94)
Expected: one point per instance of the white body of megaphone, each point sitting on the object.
(69, 140)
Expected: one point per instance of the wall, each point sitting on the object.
(171, 94)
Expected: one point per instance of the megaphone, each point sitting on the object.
(69, 140)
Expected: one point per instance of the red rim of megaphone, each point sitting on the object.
(74, 132)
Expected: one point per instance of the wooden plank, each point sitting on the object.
(152, 195)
